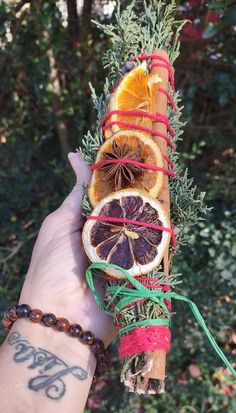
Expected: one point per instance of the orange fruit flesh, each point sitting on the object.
(135, 92)
(148, 180)
(135, 248)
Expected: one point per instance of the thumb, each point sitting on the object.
(72, 205)
(80, 168)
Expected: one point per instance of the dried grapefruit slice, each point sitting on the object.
(134, 92)
(136, 248)
(111, 177)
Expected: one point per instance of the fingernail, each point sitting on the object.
(72, 154)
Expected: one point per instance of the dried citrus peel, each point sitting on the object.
(165, 64)
(117, 166)
(157, 117)
(128, 228)
(133, 162)
(140, 128)
(134, 93)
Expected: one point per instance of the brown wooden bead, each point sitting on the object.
(62, 324)
(23, 310)
(5, 317)
(11, 313)
(6, 322)
(97, 346)
(102, 366)
(35, 315)
(97, 373)
(49, 319)
(87, 337)
(102, 356)
(75, 330)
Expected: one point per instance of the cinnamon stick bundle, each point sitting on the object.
(159, 105)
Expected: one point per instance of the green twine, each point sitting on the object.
(153, 322)
(158, 296)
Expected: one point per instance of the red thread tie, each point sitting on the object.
(165, 65)
(139, 340)
(140, 113)
(170, 99)
(168, 161)
(139, 127)
(158, 117)
(143, 56)
(139, 223)
(132, 162)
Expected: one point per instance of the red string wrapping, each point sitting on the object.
(143, 56)
(135, 112)
(166, 65)
(132, 162)
(170, 99)
(158, 117)
(140, 340)
(139, 223)
(150, 338)
(142, 128)
(168, 161)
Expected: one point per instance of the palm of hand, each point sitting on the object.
(55, 281)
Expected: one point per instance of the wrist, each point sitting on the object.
(41, 366)
(59, 335)
(56, 342)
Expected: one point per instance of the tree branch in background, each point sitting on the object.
(17, 248)
(20, 5)
(61, 127)
(86, 21)
(20, 11)
(13, 252)
(73, 24)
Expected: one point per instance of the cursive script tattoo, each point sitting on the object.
(51, 371)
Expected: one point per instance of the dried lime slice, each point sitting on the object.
(134, 247)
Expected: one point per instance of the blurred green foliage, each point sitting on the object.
(46, 61)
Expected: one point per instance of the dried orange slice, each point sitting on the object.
(110, 177)
(136, 248)
(134, 92)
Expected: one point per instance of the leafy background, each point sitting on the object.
(49, 52)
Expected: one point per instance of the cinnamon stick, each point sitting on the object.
(159, 105)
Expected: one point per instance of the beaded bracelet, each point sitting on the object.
(97, 347)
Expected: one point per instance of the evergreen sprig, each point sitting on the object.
(155, 27)
(133, 33)
(91, 143)
(87, 207)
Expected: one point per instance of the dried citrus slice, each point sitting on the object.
(110, 177)
(136, 248)
(134, 92)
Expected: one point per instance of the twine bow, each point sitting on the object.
(158, 296)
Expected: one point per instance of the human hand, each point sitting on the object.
(55, 283)
(55, 280)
